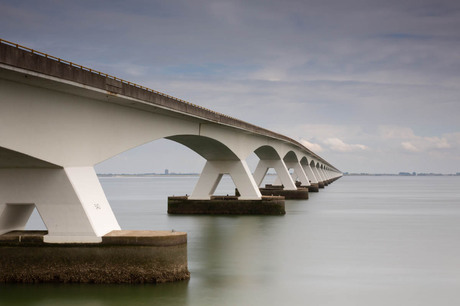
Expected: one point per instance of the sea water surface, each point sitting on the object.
(362, 240)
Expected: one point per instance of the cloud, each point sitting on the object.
(337, 144)
(396, 132)
(316, 132)
(411, 142)
(426, 144)
(312, 146)
(409, 147)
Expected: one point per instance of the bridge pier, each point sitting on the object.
(299, 172)
(227, 205)
(284, 185)
(301, 193)
(70, 201)
(212, 174)
(323, 176)
(248, 201)
(281, 170)
(120, 257)
(314, 186)
(318, 177)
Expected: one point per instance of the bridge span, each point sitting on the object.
(59, 119)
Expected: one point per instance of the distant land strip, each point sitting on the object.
(401, 174)
(345, 174)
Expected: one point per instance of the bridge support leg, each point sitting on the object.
(288, 189)
(212, 174)
(249, 201)
(323, 175)
(318, 177)
(70, 201)
(281, 170)
(314, 186)
(299, 172)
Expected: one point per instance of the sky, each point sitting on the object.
(370, 86)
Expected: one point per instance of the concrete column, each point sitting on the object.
(70, 201)
(281, 170)
(261, 171)
(299, 172)
(212, 174)
(324, 173)
(318, 175)
(310, 174)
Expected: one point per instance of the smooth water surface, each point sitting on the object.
(359, 241)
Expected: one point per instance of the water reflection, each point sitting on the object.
(97, 295)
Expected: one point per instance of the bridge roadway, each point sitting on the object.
(59, 119)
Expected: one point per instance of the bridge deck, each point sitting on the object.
(25, 58)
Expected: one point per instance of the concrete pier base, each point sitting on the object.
(320, 185)
(314, 187)
(121, 257)
(300, 194)
(227, 205)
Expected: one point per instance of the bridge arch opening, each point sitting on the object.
(267, 152)
(312, 177)
(153, 171)
(304, 161)
(221, 162)
(216, 162)
(265, 155)
(290, 157)
(211, 150)
(296, 169)
(153, 157)
(269, 159)
(208, 148)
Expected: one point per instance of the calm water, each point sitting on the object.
(360, 241)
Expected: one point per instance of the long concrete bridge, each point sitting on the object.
(59, 119)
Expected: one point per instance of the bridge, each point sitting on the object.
(59, 119)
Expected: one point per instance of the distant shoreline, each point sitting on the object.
(401, 174)
(198, 174)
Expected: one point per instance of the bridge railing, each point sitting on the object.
(60, 60)
(220, 115)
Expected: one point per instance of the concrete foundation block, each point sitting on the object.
(314, 187)
(227, 205)
(275, 190)
(121, 257)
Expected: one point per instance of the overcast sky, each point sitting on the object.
(371, 86)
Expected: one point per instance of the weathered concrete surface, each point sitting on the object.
(227, 205)
(278, 190)
(299, 194)
(122, 257)
(314, 187)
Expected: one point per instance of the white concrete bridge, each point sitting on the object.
(58, 120)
